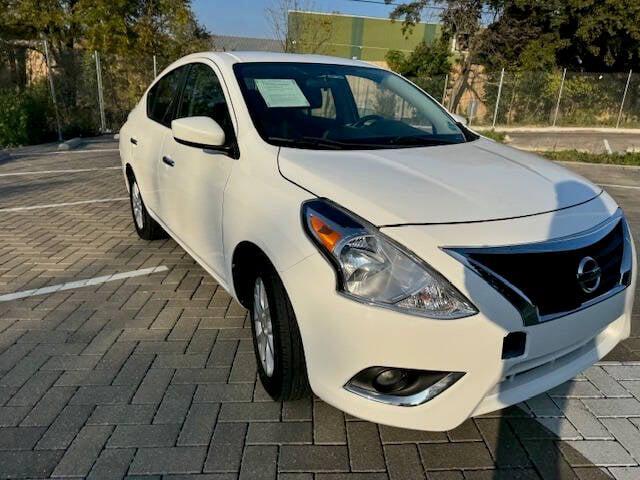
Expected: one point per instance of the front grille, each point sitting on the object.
(549, 280)
(541, 279)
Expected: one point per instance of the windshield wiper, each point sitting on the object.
(325, 142)
(394, 142)
(343, 144)
(306, 142)
(419, 140)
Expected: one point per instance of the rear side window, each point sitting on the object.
(203, 97)
(163, 96)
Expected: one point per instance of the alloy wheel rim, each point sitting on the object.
(263, 327)
(136, 201)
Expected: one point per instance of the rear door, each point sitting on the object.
(198, 176)
(151, 133)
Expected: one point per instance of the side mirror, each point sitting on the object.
(200, 132)
(459, 119)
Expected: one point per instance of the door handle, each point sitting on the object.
(168, 161)
(133, 140)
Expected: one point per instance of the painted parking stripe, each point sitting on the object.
(90, 150)
(81, 283)
(619, 186)
(66, 204)
(48, 172)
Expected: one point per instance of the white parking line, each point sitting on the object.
(607, 147)
(619, 186)
(81, 283)
(90, 150)
(47, 172)
(67, 204)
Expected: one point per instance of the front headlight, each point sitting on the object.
(372, 268)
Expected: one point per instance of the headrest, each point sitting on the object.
(313, 91)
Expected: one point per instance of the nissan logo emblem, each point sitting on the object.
(588, 275)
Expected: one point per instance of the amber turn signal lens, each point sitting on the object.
(327, 236)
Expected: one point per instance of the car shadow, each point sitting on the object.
(535, 439)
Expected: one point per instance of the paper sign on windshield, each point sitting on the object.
(281, 92)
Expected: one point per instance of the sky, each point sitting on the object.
(246, 18)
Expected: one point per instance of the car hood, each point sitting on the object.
(469, 182)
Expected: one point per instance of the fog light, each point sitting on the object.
(391, 380)
(401, 386)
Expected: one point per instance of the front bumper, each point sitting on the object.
(341, 337)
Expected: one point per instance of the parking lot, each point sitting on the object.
(120, 357)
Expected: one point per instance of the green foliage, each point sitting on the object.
(591, 35)
(427, 65)
(493, 135)
(576, 156)
(425, 61)
(395, 60)
(594, 35)
(25, 117)
(127, 33)
(530, 98)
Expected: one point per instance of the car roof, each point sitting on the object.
(231, 58)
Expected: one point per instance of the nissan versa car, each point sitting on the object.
(403, 268)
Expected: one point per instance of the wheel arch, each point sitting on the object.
(246, 256)
(128, 171)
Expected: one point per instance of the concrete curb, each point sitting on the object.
(616, 131)
(116, 136)
(609, 165)
(70, 144)
(4, 155)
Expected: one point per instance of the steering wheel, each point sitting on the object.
(367, 121)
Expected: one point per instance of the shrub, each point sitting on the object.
(26, 117)
(493, 135)
(628, 158)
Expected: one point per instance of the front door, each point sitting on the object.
(198, 175)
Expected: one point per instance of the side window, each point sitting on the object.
(163, 95)
(203, 97)
(327, 108)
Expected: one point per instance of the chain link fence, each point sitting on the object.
(541, 99)
(48, 94)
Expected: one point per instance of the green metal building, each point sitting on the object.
(363, 38)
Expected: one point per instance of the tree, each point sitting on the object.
(424, 61)
(460, 18)
(427, 65)
(127, 33)
(593, 35)
(296, 31)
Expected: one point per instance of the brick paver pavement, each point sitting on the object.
(155, 375)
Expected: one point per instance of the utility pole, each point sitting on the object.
(103, 122)
(495, 112)
(52, 88)
(624, 96)
(555, 116)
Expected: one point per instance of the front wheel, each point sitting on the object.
(276, 339)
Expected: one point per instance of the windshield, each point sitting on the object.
(312, 105)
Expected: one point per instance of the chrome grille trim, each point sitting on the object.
(528, 309)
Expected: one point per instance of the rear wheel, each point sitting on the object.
(147, 227)
(276, 338)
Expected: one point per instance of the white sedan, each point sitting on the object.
(405, 269)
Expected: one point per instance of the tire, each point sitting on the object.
(286, 378)
(147, 227)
